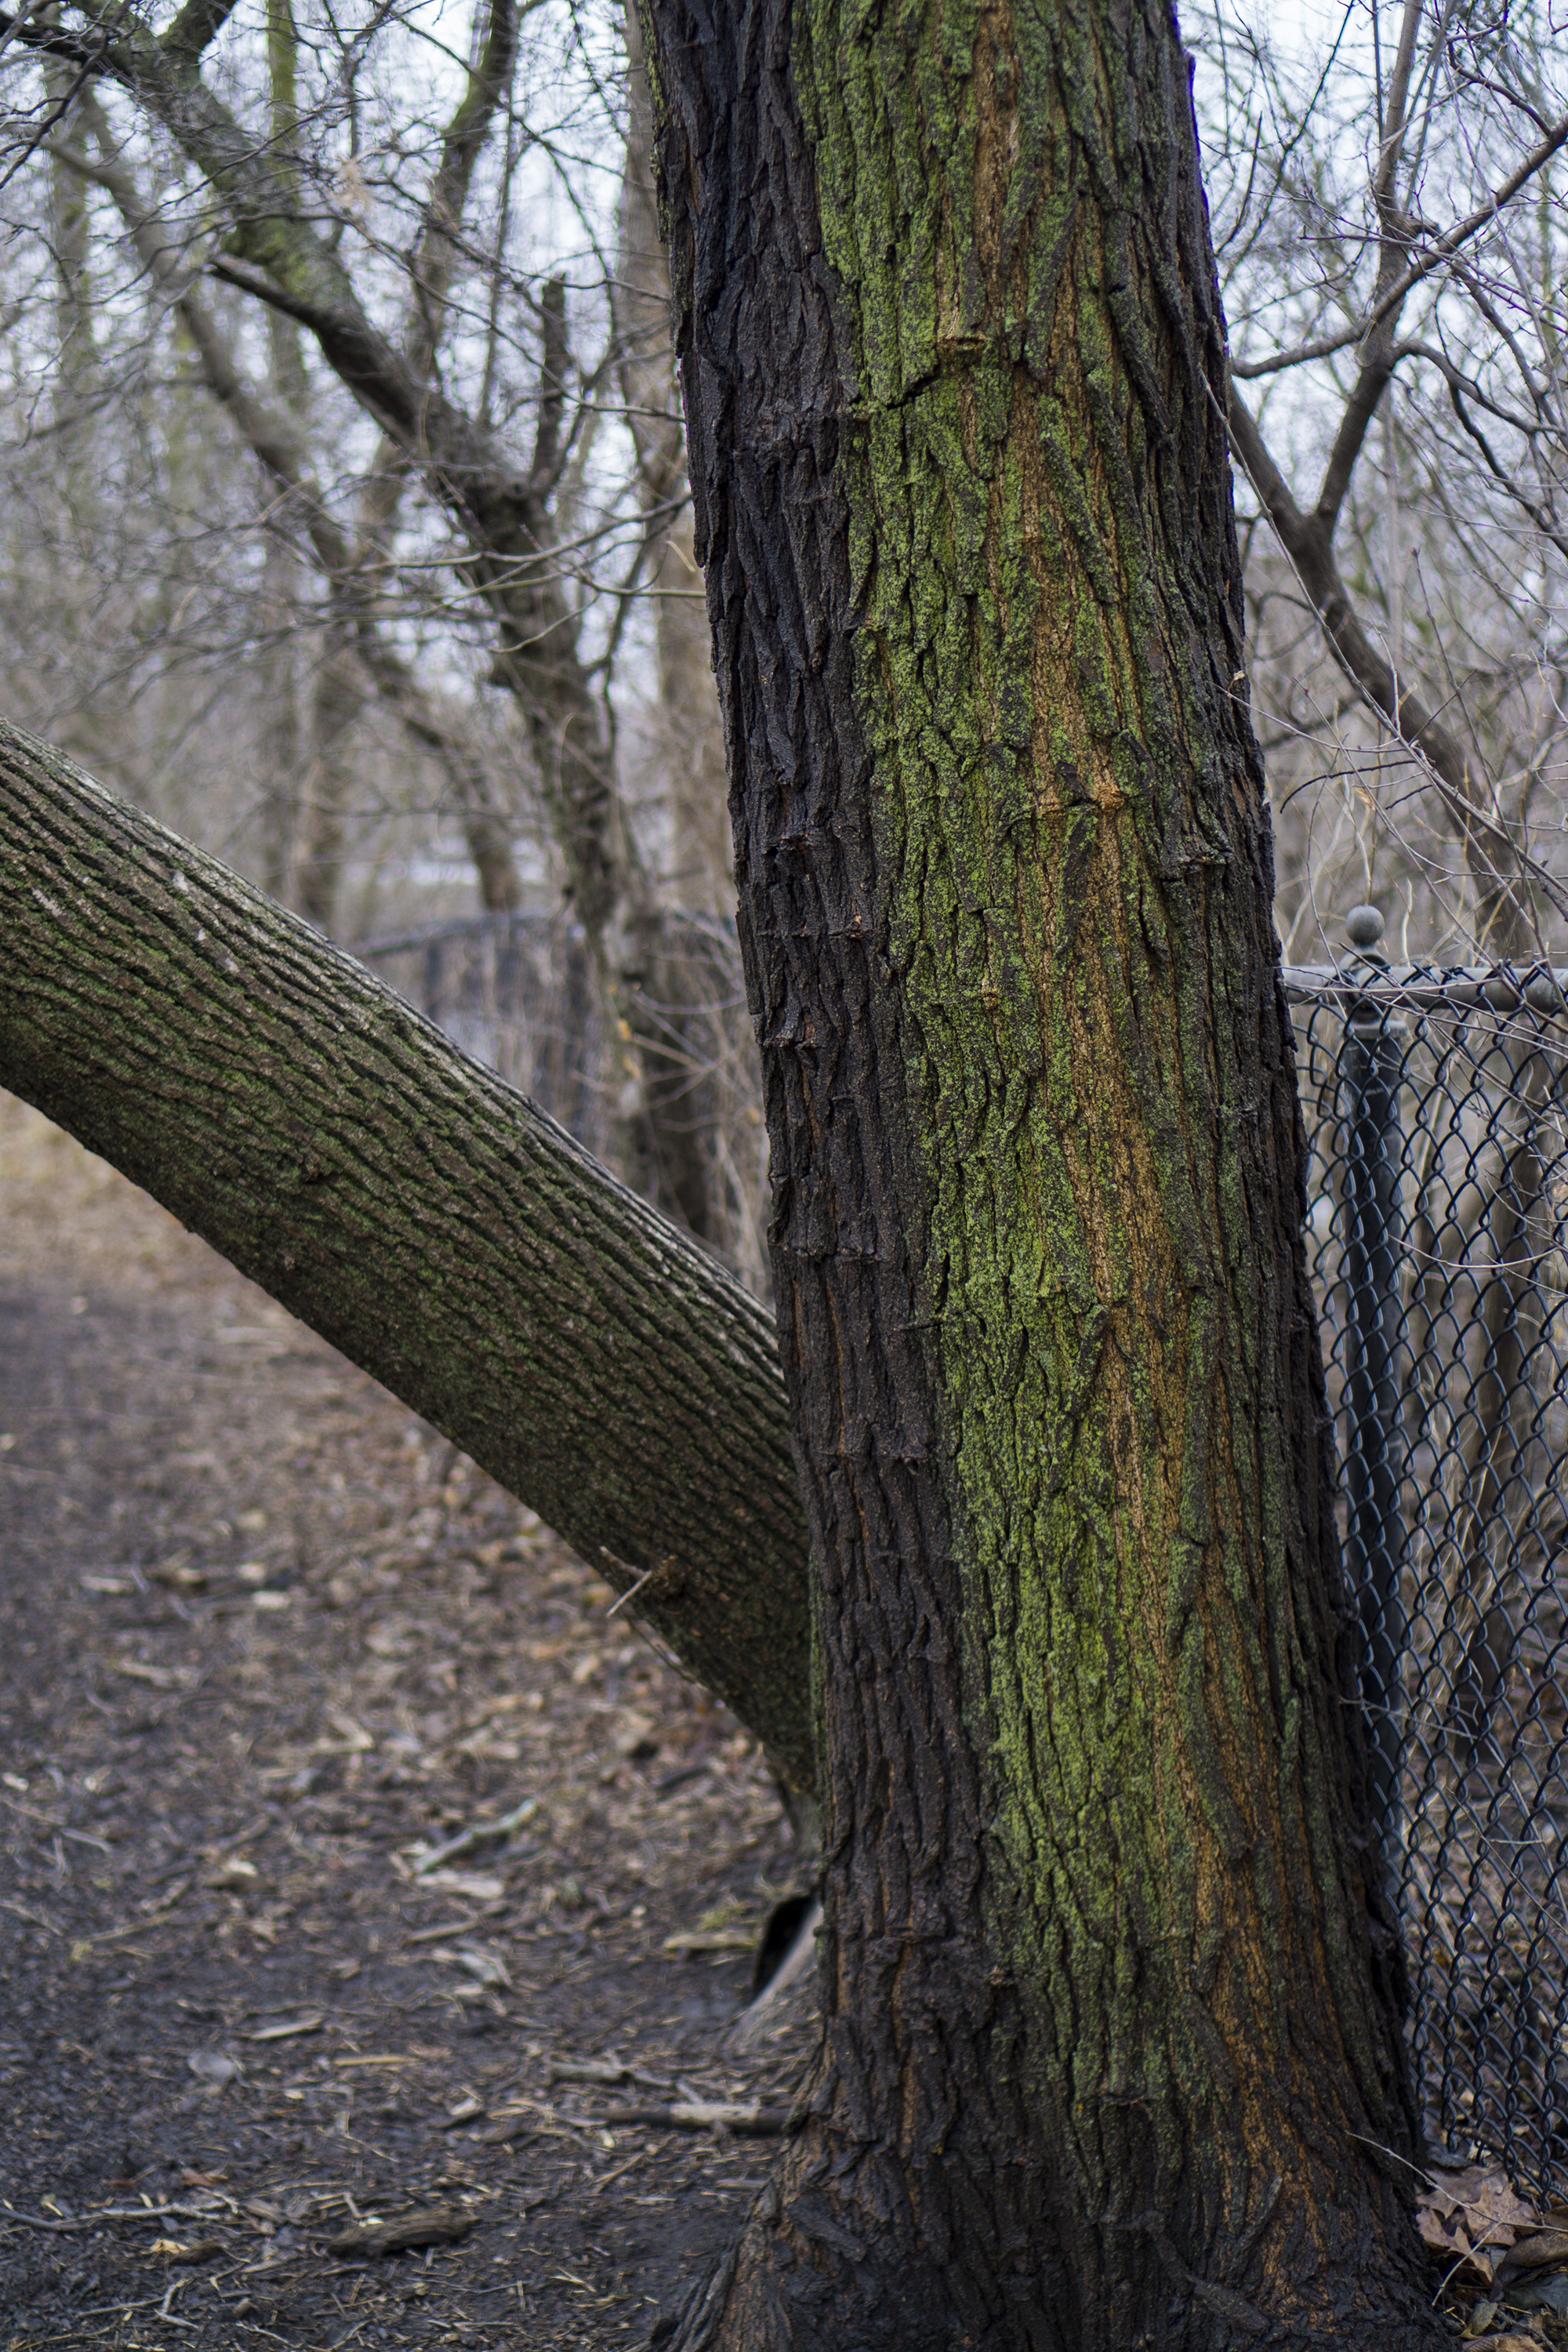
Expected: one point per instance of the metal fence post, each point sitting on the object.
(1374, 1532)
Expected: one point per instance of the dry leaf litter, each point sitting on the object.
(375, 1911)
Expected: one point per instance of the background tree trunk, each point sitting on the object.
(423, 1217)
(1112, 2051)
(706, 1085)
(702, 880)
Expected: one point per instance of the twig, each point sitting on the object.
(1323, 346)
(78, 1837)
(112, 2213)
(705, 2114)
(589, 2070)
(34, 1919)
(631, 1591)
(479, 1833)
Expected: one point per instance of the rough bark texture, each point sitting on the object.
(1112, 2051)
(418, 1213)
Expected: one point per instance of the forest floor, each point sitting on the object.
(266, 1640)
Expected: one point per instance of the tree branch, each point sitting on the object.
(196, 27)
(273, 438)
(422, 1216)
(434, 255)
(1494, 860)
(1323, 347)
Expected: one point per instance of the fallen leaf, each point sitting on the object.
(288, 2029)
(353, 1733)
(1534, 2253)
(509, 2126)
(172, 2251)
(137, 1671)
(211, 2066)
(235, 1872)
(467, 2111)
(1471, 2216)
(487, 1965)
(1539, 2293)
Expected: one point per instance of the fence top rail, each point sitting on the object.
(1431, 988)
(463, 927)
(518, 921)
(1364, 979)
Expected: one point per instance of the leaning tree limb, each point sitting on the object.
(417, 1212)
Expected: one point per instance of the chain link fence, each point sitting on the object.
(1434, 1105)
(1438, 1232)
(515, 990)
(519, 992)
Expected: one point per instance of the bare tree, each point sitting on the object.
(514, 497)
(1396, 317)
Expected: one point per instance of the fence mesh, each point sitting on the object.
(1437, 1228)
(518, 991)
(1437, 1235)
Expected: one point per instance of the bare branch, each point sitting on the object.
(196, 27)
(1323, 347)
(1495, 861)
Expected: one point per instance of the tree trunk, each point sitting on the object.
(1112, 2052)
(702, 878)
(277, 744)
(706, 1085)
(418, 1213)
(338, 692)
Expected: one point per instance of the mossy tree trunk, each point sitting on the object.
(1112, 2052)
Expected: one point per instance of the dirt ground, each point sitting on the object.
(266, 1642)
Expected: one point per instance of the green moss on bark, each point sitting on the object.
(1074, 882)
